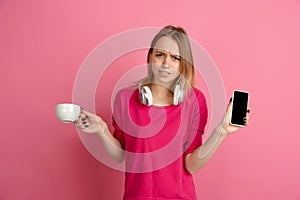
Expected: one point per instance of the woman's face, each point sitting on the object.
(165, 61)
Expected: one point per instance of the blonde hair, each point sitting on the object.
(187, 77)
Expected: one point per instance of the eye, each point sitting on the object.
(177, 58)
(158, 55)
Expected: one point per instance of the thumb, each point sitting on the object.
(229, 107)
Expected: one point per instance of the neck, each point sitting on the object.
(161, 94)
(160, 90)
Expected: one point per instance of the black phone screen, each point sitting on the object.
(239, 108)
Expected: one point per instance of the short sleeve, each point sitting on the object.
(116, 119)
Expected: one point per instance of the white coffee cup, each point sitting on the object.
(67, 112)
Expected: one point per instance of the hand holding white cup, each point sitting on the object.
(85, 121)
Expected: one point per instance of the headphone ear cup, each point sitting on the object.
(178, 95)
(146, 96)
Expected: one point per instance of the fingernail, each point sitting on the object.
(248, 111)
(230, 100)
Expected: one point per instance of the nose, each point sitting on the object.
(167, 62)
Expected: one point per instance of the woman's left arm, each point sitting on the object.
(196, 160)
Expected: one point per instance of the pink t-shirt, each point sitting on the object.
(156, 140)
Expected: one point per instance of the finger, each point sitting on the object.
(81, 122)
(79, 126)
(84, 118)
(83, 126)
(77, 122)
(229, 107)
(246, 121)
(88, 116)
(82, 115)
(76, 125)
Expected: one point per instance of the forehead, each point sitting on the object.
(167, 44)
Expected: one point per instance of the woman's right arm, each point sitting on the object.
(93, 124)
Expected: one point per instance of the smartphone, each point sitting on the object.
(239, 108)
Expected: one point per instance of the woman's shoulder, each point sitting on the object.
(196, 96)
(199, 94)
(125, 92)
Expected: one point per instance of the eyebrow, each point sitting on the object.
(165, 52)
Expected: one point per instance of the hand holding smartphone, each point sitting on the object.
(239, 108)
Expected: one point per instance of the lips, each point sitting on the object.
(164, 73)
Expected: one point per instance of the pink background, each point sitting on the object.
(43, 44)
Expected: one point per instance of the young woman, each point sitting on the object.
(159, 124)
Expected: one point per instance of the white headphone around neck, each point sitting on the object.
(147, 99)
